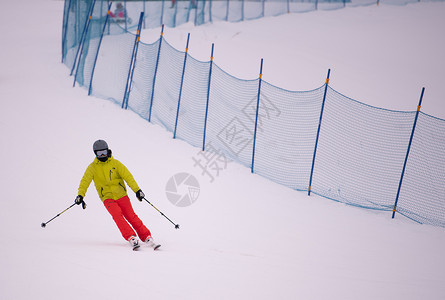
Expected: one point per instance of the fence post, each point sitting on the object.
(156, 71)
(144, 12)
(174, 15)
(407, 153)
(227, 11)
(242, 10)
(207, 103)
(101, 10)
(81, 47)
(210, 11)
(262, 8)
(162, 12)
(66, 16)
(132, 63)
(318, 133)
(256, 114)
(188, 11)
(125, 15)
(109, 24)
(82, 38)
(182, 82)
(98, 48)
(196, 12)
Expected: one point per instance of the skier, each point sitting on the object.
(119, 12)
(109, 175)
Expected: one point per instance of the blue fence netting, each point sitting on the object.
(318, 141)
(173, 13)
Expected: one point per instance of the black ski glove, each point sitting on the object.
(140, 195)
(79, 200)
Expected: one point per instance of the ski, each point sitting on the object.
(151, 243)
(155, 247)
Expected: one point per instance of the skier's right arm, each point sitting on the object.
(85, 182)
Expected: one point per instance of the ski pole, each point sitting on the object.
(44, 224)
(176, 225)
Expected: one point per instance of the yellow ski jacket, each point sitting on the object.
(108, 178)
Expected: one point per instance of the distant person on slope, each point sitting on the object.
(119, 12)
(109, 175)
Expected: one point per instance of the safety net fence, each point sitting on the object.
(318, 141)
(173, 13)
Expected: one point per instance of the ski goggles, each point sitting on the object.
(102, 153)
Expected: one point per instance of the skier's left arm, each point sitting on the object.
(129, 179)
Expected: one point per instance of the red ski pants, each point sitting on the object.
(123, 213)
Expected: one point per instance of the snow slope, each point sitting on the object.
(245, 237)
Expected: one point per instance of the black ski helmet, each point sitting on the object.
(99, 145)
(98, 148)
